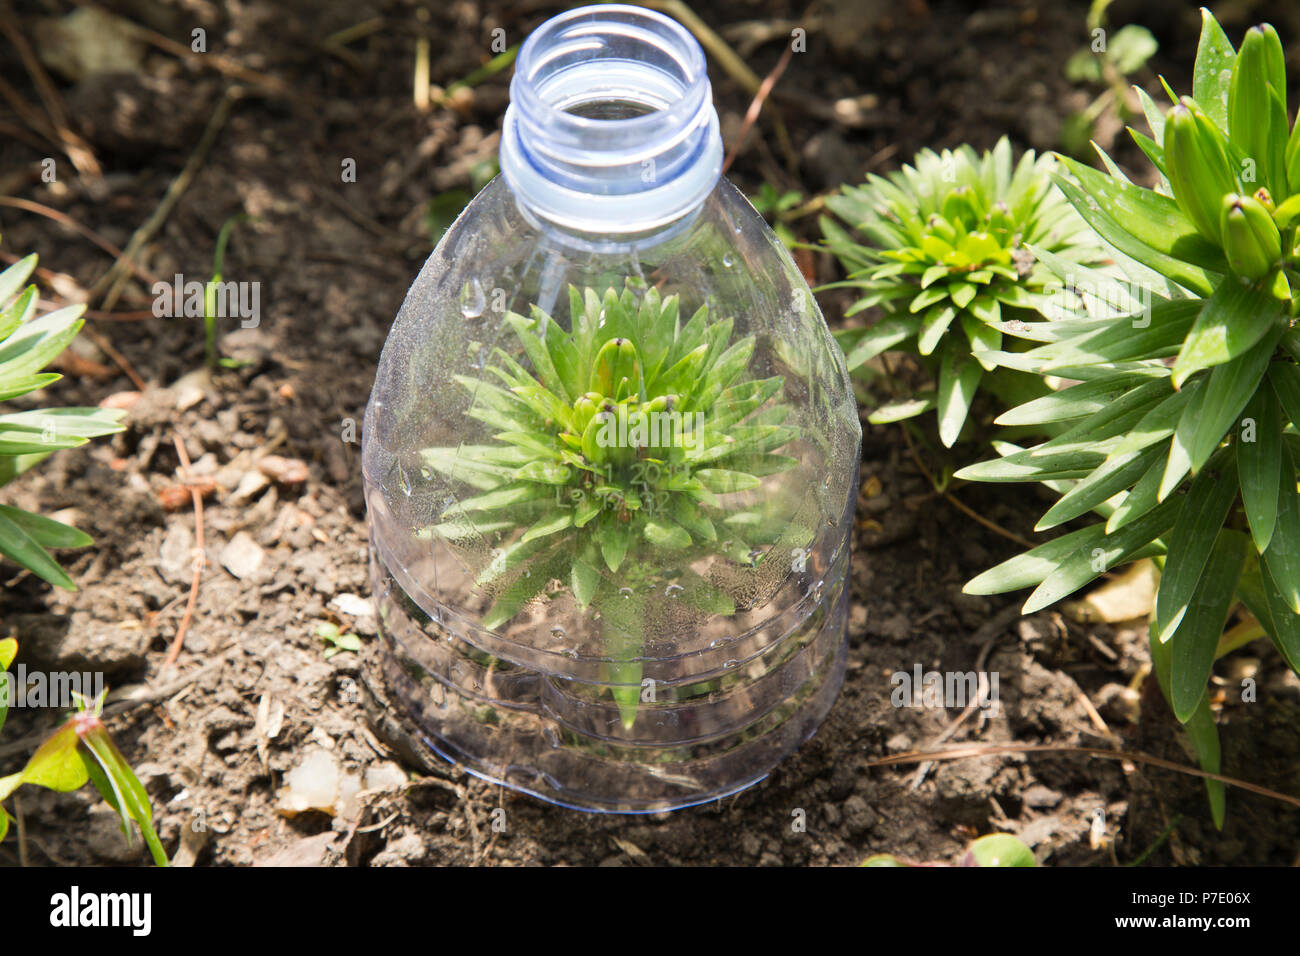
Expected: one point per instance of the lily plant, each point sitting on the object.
(1180, 430)
(618, 457)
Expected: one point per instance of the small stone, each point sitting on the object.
(312, 785)
(385, 776)
(250, 485)
(190, 389)
(899, 743)
(353, 605)
(858, 817)
(242, 557)
(309, 851)
(1039, 797)
(120, 400)
(284, 471)
(176, 556)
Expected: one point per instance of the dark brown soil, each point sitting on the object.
(334, 260)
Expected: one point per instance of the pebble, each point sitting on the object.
(284, 471)
(242, 557)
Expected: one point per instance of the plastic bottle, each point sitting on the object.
(611, 453)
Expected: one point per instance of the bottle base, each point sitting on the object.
(503, 724)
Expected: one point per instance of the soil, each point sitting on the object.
(252, 694)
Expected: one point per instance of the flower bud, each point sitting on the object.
(1250, 238)
(1198, 168)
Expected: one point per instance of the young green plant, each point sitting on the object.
(1181, 429)
(80, 751)
(945, 257)
(614, 463)
(27, 345)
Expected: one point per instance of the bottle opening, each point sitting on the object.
(611, 127)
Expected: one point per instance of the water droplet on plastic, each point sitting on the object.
(626, 592)
(731, 665)
(673, 590)
(557, 632)
(403, 481)
(472, 300)
(727, 261)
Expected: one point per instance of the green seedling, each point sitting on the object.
(338, 642)
(1109, 59)
(210, 353)
(620, 456)
(945, 256)
(78, 752)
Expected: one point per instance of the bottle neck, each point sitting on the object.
(611, 128)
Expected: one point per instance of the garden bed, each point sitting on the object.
(252, 695)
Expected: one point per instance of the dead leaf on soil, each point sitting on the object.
(1129, 596)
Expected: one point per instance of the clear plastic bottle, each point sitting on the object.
(611, 453)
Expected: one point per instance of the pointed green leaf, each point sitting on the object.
(1259, 465)
(1197, 636)
(1208, 501)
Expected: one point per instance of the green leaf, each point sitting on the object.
(721, 481)
(1234, 318)
(17, 545)
(548, 526)
(615, 537)
(1076, 401)
(1112, 477)
(881, 337)
(1150, 218)
(1171, 266)
(1121, 341)
(1282, 557)
(1201, 729)
(959, 376)
(1000, 849)
(1259, 466)
(13, 277)
(12, 388)
(35, 343)
(1158, 423)
(1226, 393)
(1285, 379)
(584, 578)
(1197, 635)
(933, 326)
(1208, 501)
(56, 764)
(1140, 499)
(1035, 565)
(1212, 74)
(1282, 623)
(892, 412)
(46, 531)
(665, 535)
(1082, 566)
